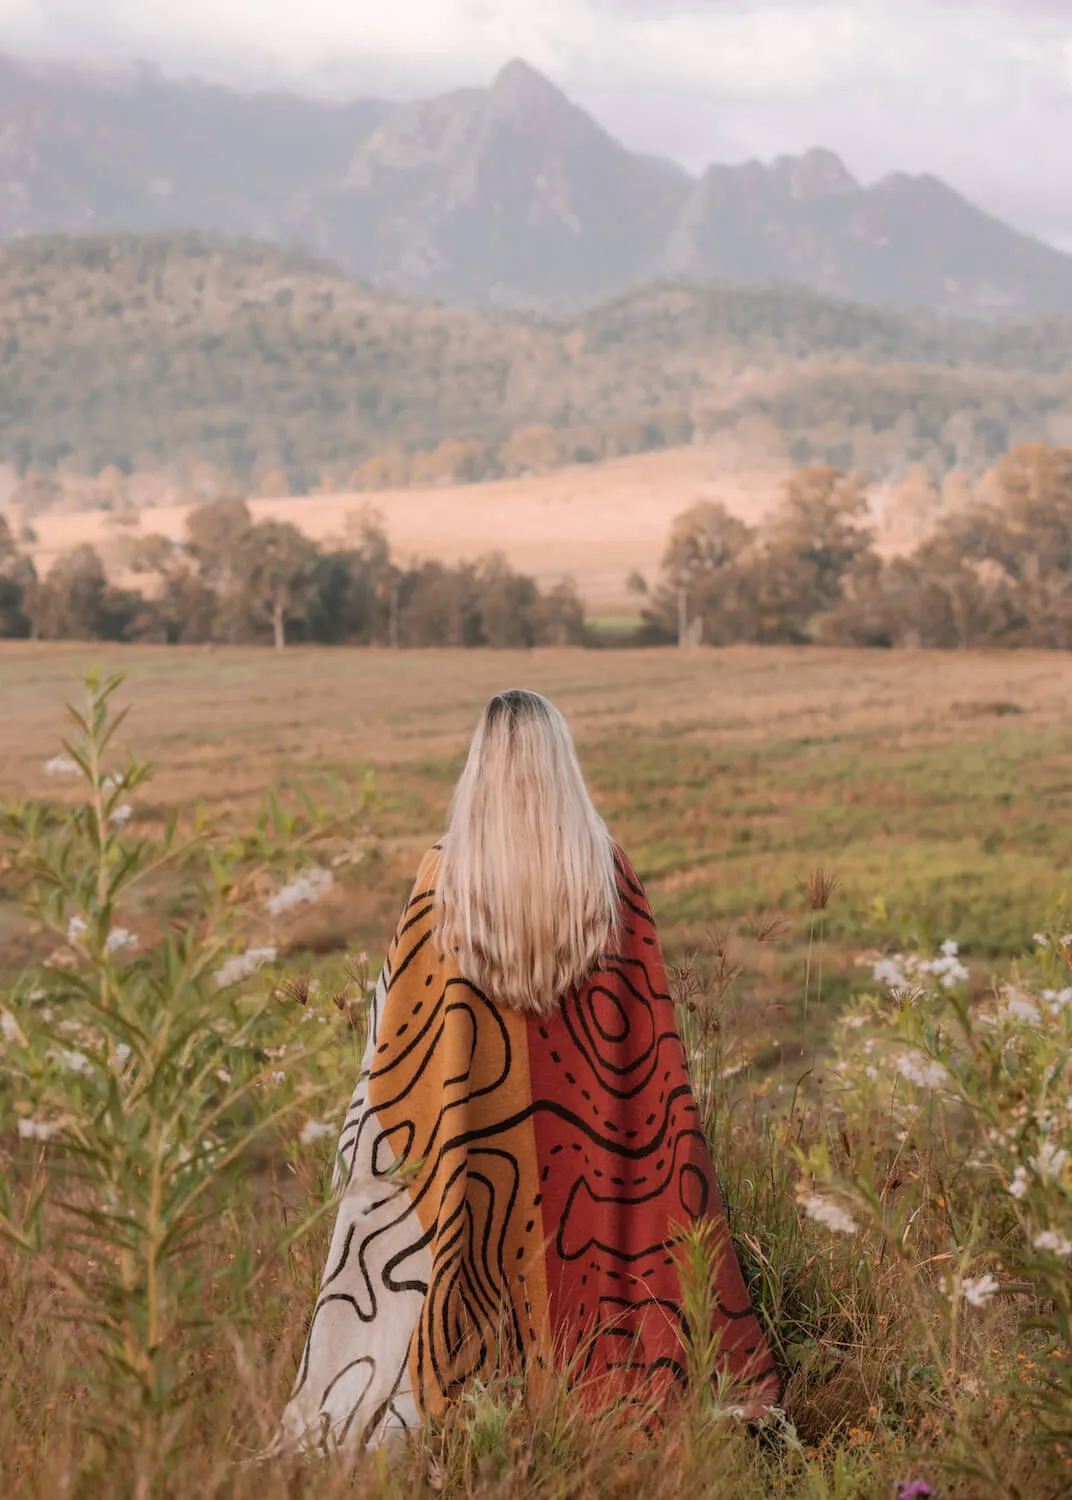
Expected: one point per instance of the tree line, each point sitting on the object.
(994, 571)
(997, 572)
(233, 581)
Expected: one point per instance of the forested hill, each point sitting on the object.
(161, 352)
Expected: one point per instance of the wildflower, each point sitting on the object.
(1041, 940)
(113, 783)
(1050, 1240)
(979, 1290)
(824, 1211)
(1021, 1009)
(924, 1074)
(37, 1130)
(1050, 1162)
(77, 927)
(223, 1075)
(243, 965)
(60, 765)
(122, 815)
(314, 1130)
(309, 886)
(914, 1489)
(889, 972)
(118, 939)
(122, 1054)
(1020, 1183)
(74, 1062)
(278, 1077)
(1059, 1000)
(9, 1027)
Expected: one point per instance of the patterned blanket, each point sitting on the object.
(509, 1186)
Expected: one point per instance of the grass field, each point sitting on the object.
(937, 788)
(940, 785)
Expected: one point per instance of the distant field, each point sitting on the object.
(596, 523)
(937, 786)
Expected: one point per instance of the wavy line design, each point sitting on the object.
(507, 1189)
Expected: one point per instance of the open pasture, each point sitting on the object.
(925, 1340)
(938, 788)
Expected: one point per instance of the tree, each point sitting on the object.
(507, 604)
(75, 602)
(274, 485)
(17, 581)
(706, 576)
(218, 534)
(813, 543)
(561, 615)
(275, 571)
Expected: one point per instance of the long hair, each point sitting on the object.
(526, 886)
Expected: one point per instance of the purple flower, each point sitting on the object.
(915, 1489)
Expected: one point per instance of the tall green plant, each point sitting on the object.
(143, 1068)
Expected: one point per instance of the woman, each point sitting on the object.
(522, 1145)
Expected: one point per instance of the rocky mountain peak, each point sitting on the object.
(816, 174)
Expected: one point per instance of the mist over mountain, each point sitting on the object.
(507, 196)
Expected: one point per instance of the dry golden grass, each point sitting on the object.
(597, 523)
(227, 722)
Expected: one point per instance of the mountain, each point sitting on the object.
(161, 354)
(137, 151)
(905, 241)
(507, 196)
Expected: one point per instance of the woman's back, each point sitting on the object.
(510, 1186)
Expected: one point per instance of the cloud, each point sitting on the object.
(978, 91)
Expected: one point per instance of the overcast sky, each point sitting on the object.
(977, 91)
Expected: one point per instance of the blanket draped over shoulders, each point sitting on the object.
(509, 1188)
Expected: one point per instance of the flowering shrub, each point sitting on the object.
(977, 1097)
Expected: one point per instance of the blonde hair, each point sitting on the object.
(526, 887)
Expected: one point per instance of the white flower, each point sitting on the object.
(1049, 1239)
(37, 1130)
(309, 886)
(112, 783)
(950, 949)
(889, 972)
(9, 1027)
(1041, 939)
(314, 1130)
(854, 1022)
(925, 1074)
(1059, 1000)
(60, 765)
(223, 1075)
(122, 1053)
(1020, 1183)
(871, 1072)
(122, 814)
(243, 965)
(74, 1062)
(1021, 1009)
(824, 1211)
(76, 928)
(979, 1290)
(118, 939)
(277, 1078)
(1050, 1162)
